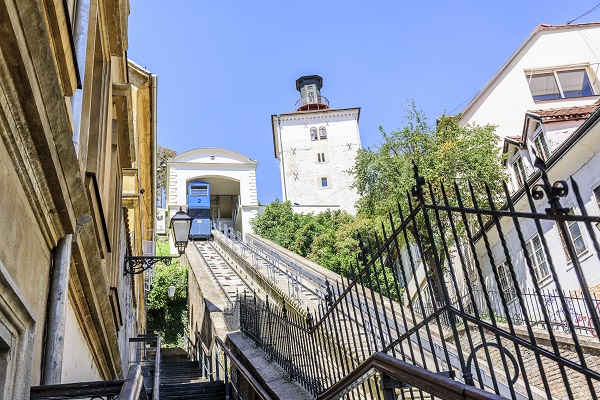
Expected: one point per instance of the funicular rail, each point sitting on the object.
(498, 346)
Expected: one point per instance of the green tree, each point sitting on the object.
(444, 153)
(163, 155)
(168, 315)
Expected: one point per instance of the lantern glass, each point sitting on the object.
(171, 291)
(181, 223)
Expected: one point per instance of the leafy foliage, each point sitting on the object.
(444, 153)
(328, 238)
(384, 176)
(163, 155)
(165, 314)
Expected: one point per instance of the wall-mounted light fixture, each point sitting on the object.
(181, 223)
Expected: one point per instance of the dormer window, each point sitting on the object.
(313, 134)
(519, 171)
(559, 84)
(541, 145)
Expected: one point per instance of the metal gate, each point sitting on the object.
(480, 287)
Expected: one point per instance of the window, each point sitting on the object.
(575, 237)
(506, 283)
(322, 133)
(321, 157)
(538, 258)
(519, 171)
(560, 84)
(201, 190)
(324, 182)
(597, 197)
(313, 134)
(541, 146)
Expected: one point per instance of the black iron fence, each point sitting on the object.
(468, 284)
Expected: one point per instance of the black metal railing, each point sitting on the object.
(239, 382)
(130, 388)
(455, 289)
(145, 352)
(312, 103)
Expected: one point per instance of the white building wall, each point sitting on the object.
(78, 364)
(301, 172)
(507, 97)
(230, 168)
(582, 162)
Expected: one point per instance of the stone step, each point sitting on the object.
(196, 391)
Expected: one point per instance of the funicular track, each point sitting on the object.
(229, 279)
(357, 320)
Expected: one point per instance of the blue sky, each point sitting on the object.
(226, 66)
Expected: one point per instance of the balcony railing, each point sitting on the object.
(312, 103)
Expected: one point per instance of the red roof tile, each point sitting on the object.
(566, 113)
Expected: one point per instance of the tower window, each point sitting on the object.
(324, 181)
(322, 133)
(321, 157)
(313, 134)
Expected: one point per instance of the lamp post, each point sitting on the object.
(180, 225)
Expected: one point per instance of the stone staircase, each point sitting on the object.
(181, 379)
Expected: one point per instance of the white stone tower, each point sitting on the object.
(316, 146)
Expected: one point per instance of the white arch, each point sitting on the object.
(232, 177)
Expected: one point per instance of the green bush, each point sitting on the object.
(165, 314)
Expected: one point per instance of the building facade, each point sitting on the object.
(544, 101)
(76, 148)
(232, 180)
(316, 146)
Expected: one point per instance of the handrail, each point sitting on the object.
(156, 386)
(436, 385)
(78, 389)
(240, 367)
(131, 388)
(149, 362)
(191, 347)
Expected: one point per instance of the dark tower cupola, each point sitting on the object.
(310, 94)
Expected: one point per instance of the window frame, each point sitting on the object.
(555, 73)
(322, 133)
(507, 286)
(520, 177)
(314, 136)
(581, 236)
(534, 257)
(541, 144)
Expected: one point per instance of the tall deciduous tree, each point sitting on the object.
(444, 153)
(163, 155)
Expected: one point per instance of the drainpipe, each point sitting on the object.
(154, 84)
(57, 312)
(80, 39)
(281, 159)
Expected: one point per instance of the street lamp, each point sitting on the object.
(171, 291)
(181, 223)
